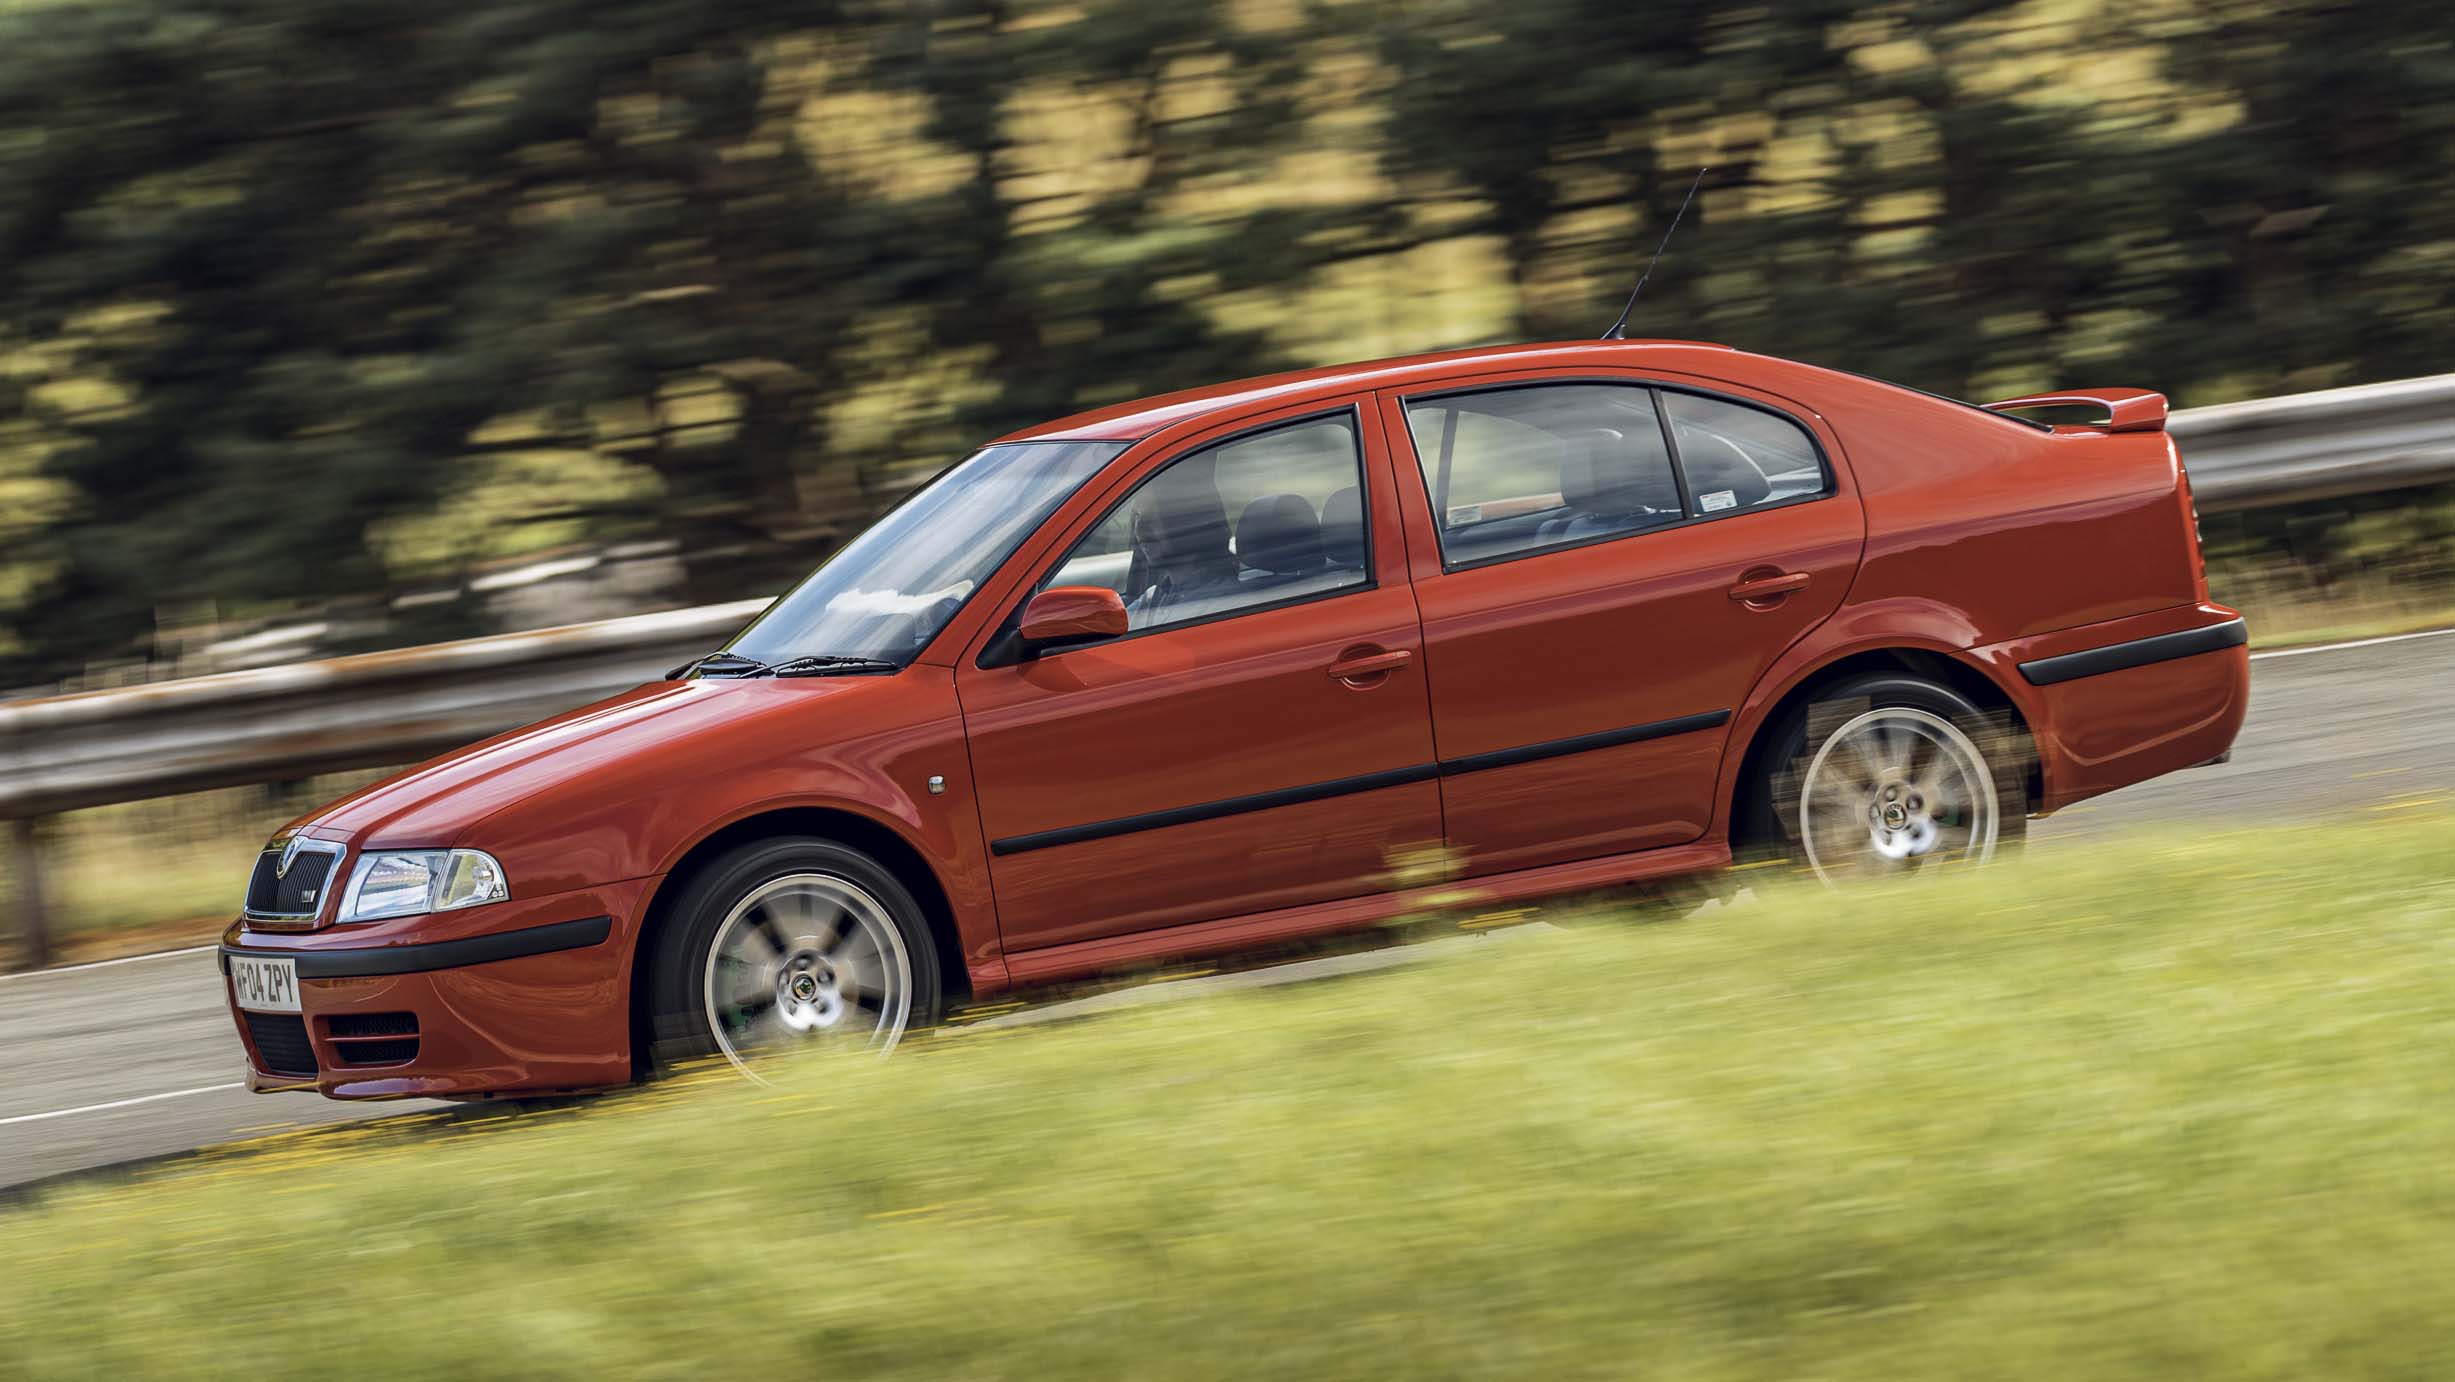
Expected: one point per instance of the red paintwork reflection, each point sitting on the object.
(1068, 611)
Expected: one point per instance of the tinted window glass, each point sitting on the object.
(1265, 518)
(1737, 457)
(1519, 470)
(886, 593)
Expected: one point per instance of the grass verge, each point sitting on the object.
(2182, 1109)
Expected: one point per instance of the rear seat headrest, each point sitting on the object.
(1601, 473)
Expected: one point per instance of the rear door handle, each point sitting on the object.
(1753, 587)
(1363, 666)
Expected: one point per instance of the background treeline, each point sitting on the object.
(329, 308)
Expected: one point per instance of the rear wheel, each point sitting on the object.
(790, 945)
(1890, 774)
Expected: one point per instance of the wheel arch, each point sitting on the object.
(1774, 708)
(882, 842)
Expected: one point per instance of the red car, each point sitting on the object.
(1256, 661)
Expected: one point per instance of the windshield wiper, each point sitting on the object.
(719, 665)
(828, 665)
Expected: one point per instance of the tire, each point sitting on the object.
(1830, 796)
(795, 942)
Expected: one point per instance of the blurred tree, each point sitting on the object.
(275, 274)
(312, 246)
(1906, 192)
(1087, 283)
(2307, 213)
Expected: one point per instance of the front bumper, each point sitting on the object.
(526, 996)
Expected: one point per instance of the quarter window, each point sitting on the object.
(1737, 457)
(1259, 520)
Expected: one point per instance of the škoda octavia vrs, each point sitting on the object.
(1210, 669)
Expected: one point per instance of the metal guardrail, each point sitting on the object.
(273, 723)
(2302, 447)
(240, 728)
(268, 724)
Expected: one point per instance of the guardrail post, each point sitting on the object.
(33, 916)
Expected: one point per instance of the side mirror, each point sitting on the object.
(1072, 613)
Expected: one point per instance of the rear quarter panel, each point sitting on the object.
(2025, 531)
(1985, 535)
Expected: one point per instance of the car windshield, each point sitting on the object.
(886, 593)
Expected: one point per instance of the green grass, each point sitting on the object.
(2182, 1110)
(2305, 634)
(2286, 608)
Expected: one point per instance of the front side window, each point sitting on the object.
(886, 593)
(1259, 520)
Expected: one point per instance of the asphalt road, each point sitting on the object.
(130, 1060)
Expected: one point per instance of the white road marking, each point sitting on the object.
(2356, 643)
(122, 1103)
(98, 964)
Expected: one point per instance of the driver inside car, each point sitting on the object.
(1182, 558)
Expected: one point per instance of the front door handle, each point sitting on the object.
(1364, 667)
(1767, 586)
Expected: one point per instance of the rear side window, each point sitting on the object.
(1263, 519)
(1519, 470)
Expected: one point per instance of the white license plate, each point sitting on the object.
(264, 986)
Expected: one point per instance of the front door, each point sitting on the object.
(1259, 737)
(1605, 569)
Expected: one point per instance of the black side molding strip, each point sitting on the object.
(359, 962)
(1583, 743)
(1345, 786)
(1212, 810)
(2139, 652)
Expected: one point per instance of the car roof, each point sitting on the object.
(1142, 417)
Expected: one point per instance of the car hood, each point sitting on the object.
(438, 802)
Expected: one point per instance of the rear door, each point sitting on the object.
(1259, 738)
(1605, 567)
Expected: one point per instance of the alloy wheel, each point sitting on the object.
(808, 960)
(1893, 790)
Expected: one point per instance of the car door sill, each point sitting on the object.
(1078, 958)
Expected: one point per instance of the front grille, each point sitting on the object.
(281, 1044)
(298, 893)
(373, 1038)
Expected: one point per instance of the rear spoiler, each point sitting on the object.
(2127, 410)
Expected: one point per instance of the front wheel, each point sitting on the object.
(790, 945)
(1889, 774)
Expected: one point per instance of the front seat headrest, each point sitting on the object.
(1278, 534)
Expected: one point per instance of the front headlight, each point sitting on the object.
(408, 882)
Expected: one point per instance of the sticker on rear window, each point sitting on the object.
(1719, 499)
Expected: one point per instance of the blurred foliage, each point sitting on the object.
(307, 302)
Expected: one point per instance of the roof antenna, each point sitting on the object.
(1619, 329)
